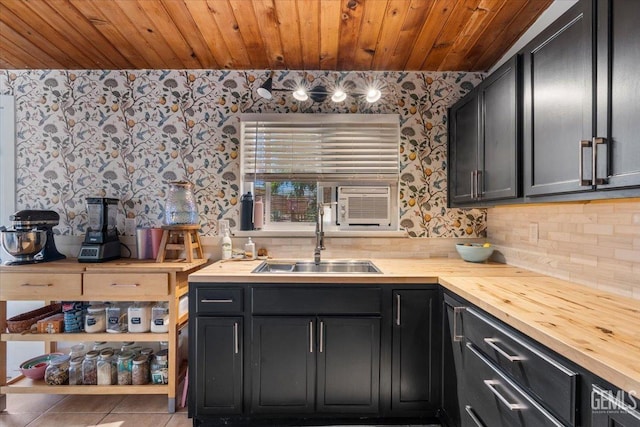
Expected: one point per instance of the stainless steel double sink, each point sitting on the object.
(328, 266)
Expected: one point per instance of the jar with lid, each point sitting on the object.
(139, 317)
(180, 205)
(160, 368)
(57, 373)
(140, 370)
(160, 317)
(125, 362)
(148, 352)
(95, 320)
(106, 375)
(126, 346)
(100, 345)
(77, 350)
(90, 368)
(75, 370)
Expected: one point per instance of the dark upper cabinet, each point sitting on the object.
(581, 106)
(415, 350)
(618, 89)
(218, 359)
(484, 140)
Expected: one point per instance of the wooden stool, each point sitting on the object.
(180, 238)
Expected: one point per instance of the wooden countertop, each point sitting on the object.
(598, 330)
(122, 265)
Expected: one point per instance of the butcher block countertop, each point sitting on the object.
(597, 330)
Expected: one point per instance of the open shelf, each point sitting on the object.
(22, 384)
(83, 336)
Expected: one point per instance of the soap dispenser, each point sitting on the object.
(226, 246)
(250, 249)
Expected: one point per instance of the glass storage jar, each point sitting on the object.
(125, 360)
(180, 205)
(90, 368)
(95, 320)
(106, 374)
(77, 350)
(160, 368)
(75, 370)
(140, 370)
(160, 317)
(57, 373)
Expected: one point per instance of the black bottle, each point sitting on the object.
(246, 212)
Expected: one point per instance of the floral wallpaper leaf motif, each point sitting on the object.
(127, 133)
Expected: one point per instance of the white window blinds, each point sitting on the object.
(320, 147)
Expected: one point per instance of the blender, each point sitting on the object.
(31, 239)
(101, 241)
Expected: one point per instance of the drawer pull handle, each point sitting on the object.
(473, 416)
(457, 312)
(217, 301)
(125, 285)
(492, 342)
(491, 384)
(38, 285)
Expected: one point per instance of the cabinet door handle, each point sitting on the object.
(321, 336)
(478, 184)
(491, 385)
(125, 285)
(596, 142)
(236, 344)
(311, 336)
(38, 285)
(493, 343)
(473, 416)
(457, 312)
(583, 144)
(473, 180)
(398, 309)
(217, 301)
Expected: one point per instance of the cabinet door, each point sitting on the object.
(500, 133)
(415, 347)
(463, 149)
(618, 88)
(218, 356)
(558, 104)
(283, 364)
(452, 361)
(348, 364)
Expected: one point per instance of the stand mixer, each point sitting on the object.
(101, 241)
(31, 239)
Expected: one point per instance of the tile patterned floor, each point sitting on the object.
(46, 410)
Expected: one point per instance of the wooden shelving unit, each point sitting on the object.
(120, 280)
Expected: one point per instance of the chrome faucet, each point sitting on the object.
(319, 234)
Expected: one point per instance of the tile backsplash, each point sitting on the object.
(126, 133)
(594, 243)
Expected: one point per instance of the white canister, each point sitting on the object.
(139, 314)
(160, 317)
(95, 319)
(116, 319)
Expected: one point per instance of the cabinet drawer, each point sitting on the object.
(316, 300)
(40, 286)
(139, 286)
(538, 373)
(491, 399)
(218, 300)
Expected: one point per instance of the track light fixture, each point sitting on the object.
(317, 93)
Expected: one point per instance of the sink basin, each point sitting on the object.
(330, 266)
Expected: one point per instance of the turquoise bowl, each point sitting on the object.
(474, 252)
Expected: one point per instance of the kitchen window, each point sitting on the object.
(297, 161)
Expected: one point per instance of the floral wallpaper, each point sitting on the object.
(126, 134)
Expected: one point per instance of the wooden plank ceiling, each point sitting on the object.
(467, 35)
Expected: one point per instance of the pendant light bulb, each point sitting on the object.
(301, 94)
(373, 95)
(339, 95)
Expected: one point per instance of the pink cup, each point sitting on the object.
(156, 238)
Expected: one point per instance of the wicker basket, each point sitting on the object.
(22, 322)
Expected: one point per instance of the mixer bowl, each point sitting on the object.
(23, 243)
